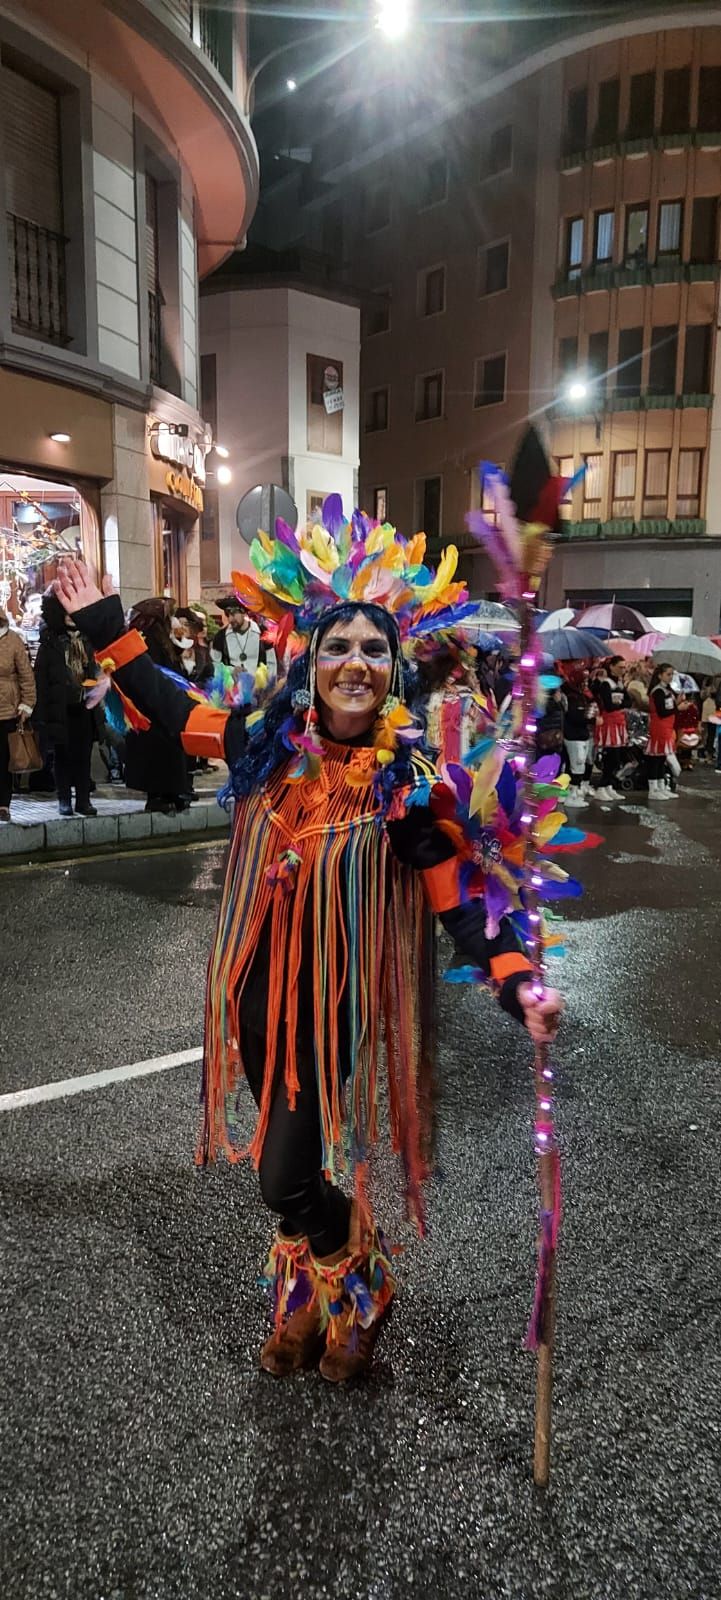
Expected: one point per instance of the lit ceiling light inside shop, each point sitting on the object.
(221, 450)
(61, 438)
(224, 475)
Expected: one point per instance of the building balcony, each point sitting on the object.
(184, 63)
(645, 400)
(634, 274)
(36, 261)
(627, 528)
(595, 153)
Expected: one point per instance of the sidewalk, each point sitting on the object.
(36, 830)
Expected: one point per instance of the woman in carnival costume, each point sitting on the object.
(344, 842)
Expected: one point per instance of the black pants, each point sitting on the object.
(291, 1177)
(612, 757)
(6, 778)
(72, 760)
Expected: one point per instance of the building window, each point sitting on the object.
(630, 356)
(567, 364)
(494, 261)
(697, 359)
(490, 381)
(709, 100)
(377, 314)
(624, 483)
(603, 238)
(642, 108)
(210, 515)
(434, 183)
(314, 504)
(429, 397)
(376, 412)
(499, 152)
(377, 208)
(152, 265)
(704, 228)
(432, 291)
(676, 113)
(609, 96)
(636, 247)
(565, 469)
(598, 359)
(662, 361)
(593, 486)
(655, 487)
(30, 117)
(688, 488)
(324, 401)
(333, 233)
(428, 507)
(670, 217)
(573, 259)
(577, 118)
(380, 504)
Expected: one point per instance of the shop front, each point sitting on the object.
(56, 453)
(177, 482)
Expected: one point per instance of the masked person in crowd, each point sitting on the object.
(63, 666)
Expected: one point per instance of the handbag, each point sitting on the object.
(24, 751)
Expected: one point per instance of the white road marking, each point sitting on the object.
(96, 1080)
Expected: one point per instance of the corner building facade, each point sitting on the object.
(128, 171)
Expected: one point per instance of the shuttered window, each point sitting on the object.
(151, 232)
(181, 12)
(31, 130)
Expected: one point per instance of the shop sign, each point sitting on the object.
(182, 487)
(179, 449)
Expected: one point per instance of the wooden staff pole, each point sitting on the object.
(543, 1094)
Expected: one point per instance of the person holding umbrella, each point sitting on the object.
(612, 733)
(662, 734)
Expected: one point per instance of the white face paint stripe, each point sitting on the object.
(96, 1080)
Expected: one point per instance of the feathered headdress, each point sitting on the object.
(299, 575)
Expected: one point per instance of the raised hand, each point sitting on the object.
(76, 588)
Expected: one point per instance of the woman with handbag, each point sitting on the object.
(17, 699)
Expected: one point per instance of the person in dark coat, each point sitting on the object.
(155, 763)
(63, 664)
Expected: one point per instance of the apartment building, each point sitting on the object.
(552, 234)
(128, 171)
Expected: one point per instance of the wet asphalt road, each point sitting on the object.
(143, 1454)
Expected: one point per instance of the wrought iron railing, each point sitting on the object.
(37, 280)
(215, 33)
(155, 341)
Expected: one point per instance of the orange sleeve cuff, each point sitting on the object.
(442, 886)
(125, 649)
(503, 967)
(204, 731)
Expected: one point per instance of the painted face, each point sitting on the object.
(354, 667)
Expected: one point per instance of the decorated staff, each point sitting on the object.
(520, 546)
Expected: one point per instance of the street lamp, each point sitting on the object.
(393, 18)
(577, 390)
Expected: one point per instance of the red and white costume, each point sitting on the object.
(611, 730)
(662, 731)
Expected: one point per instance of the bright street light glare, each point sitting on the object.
(577, 390)
(221, 450)
(291, 85)
(394, 18)
(224, 475)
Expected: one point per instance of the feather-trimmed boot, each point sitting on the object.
(298, 1339)
(355, 1287)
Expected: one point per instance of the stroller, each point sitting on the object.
(634, 772)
